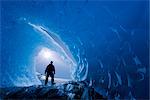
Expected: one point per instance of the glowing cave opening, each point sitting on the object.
(43, 58)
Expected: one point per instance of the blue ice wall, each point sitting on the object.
(111, 35)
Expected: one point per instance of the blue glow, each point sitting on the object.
(106, 41)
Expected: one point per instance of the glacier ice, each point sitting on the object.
(102, 40)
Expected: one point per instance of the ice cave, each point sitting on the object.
(103, 41)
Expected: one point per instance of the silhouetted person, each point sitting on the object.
(50, 71)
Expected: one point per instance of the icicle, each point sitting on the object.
(91, 83)
(119, 78)
(116, 32)
(81, 43)
(129, 81)
(131, 96)
(101, 64)
(124, 63)
(109, 76)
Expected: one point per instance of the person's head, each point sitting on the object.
(51, 62)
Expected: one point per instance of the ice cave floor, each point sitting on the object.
(63, 89)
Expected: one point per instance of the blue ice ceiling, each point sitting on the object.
(107, 39)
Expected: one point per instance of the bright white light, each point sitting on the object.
(46, 54)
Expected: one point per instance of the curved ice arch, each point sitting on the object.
(80, 68)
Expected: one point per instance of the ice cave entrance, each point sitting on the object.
(43, 58)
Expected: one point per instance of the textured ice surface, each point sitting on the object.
(106, 40)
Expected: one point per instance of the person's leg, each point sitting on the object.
(52, 78)
(46, 79)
